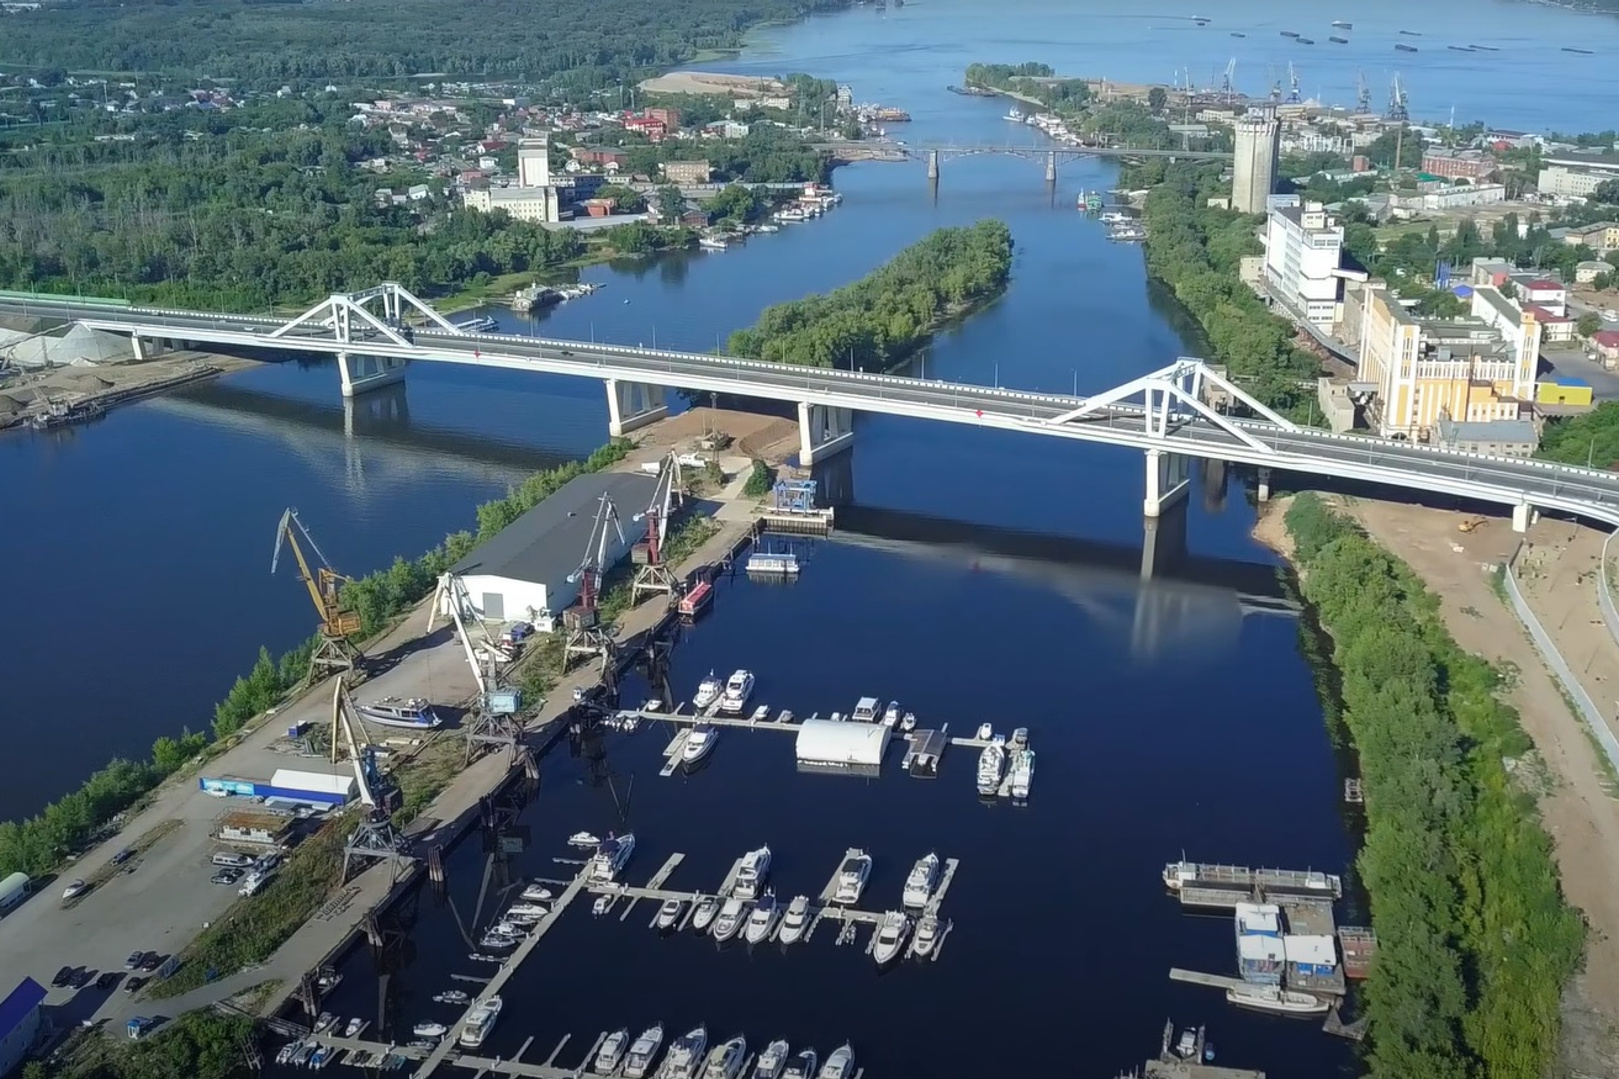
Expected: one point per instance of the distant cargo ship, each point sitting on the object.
(1290, 33)
(1341, 25)
(1306, 41)
(1412, 33)
(1339, 40)
(1405, 48)
(1486, 48)
(1236, 34)
(1582, 52)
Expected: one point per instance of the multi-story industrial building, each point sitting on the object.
(1457, 164)
(1302, 248)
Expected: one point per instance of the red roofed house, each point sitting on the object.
(1544, 292)
(1607, 343)
(1555, 328)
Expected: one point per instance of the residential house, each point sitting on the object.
(1589, 270)
(687, 172)
(1606, 342)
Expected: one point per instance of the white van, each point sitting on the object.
(232, 859)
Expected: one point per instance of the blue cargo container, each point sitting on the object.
(232, 785)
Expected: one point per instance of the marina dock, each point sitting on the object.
(1202, 884)
(1169, 1065)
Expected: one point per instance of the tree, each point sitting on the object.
(1589, 324)
(1157, 99)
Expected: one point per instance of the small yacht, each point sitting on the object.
(287, 1051)
(729, 920)
(451, 996)
(611, 1053)
(726, 1061)
(325, 1022)
(602, 905)
(354, 1027)
(699, 743)
(74, 890)
(737, 690)
(991, 766)
(840, 1065)
(865, 710)
(304, 1052)
(771, 1061)
(761, 714)
(583, 840)
(795, 921)
(669, 913)
(802, 1066)
(852, 878)
(928, 932)
(643, 1051)
(1022, 773)
(498, 942)
(703, 916)
(708, 691)
(479, 1022)
(763, 919)
(985, 732)
(539, 893)
(321, 1057)
(685, 1055)
(891, 934)
(1014, 114)
(923, 879)
(429, 1030)
(610, 857)
(527, 910)
(1273, 999)
(414, 713)
(892, 714)
(755, 870)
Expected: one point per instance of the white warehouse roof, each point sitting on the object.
(822, 741)
(1318, 950)
(316, 782)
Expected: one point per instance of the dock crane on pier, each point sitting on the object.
(375, 836)
(333, 652)
(1363, 94)
(654, 575)
(586, 635)
(1399, 107)
(1292, 84)
(493, 719)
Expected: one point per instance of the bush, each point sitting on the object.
(760, 480)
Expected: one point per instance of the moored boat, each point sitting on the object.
(685, 1055)
(451, 996)
(762, 920)
(928, 932)
(429, 1030)
(610, 857)
(795, 921)
(708, 691)
(865, 710)
(355, 1026)
(538, 893)
(1271, 998)
(582, 839)
(669, 913)
(707, 909)
(326, 1021)
(771, 1061)
(991, 766)
(413, 712)
(919, 885)
(986, 731)
(840, 1065)
(1022, 773)
(752, 874)
(852, 876)
(892, 714)
(643, 1051)
(726, 1061)
(729, 920)
(479, 1022)
(699, 743)
(802, 1066)
(611, 1053)
(891, 934)
(738, 688)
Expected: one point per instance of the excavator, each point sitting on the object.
(334, 652)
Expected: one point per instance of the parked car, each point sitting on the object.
(133, 985)
(151, 962)
(63, 977)
(226, 876)
(107, 980)
(123, 856)
(80, 978)
(134, 960)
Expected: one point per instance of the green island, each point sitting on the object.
(879, 320)
(1030, 82)
(1475, 939)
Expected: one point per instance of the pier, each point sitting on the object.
(1170, 1065)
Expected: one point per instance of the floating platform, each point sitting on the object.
(1205, 884)
(801, 522)
(923, 754)
(1358, 945)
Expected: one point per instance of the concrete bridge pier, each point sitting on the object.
(1523, 515)
(822, 432)
(1211, 474)
(1163, 541)
(362, 373)
(1168, 477)
(633, 405)
(933, 165)
(1051, 167)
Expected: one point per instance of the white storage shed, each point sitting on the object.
(522, 573)
(842, 743)
(310, 788)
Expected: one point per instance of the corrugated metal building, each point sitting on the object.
(842, 743)
(313, 788)
(19, 1023)
(522, 573)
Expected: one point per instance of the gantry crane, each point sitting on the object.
(586, 636)
(654, 575)
(375, 836)
(333, 652)
(1363, 94)
(492, 721)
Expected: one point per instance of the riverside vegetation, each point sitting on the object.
(1475, 940)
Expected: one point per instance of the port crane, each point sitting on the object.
(1363, 94)
(1399, 109)
(654, 575)
(1292, 84)
(586, 636)
(333, 652)
(375, 835)
(493, 720)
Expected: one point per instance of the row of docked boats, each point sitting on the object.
(690, 1057)
(1006, 764)
(475, 1025)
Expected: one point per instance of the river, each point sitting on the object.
(1163, 724)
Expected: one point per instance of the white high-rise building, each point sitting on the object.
(1302, 246)
(1258, 144)
(534, 162)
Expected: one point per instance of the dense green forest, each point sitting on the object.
(575, 44)
(1195, 251)
(1475, 941)
(1032, 80)
(881, 318)
(197, 1045)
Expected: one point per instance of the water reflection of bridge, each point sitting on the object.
(1164, 596)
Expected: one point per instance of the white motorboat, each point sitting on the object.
(611, 1053)
(610, 857)
(784, 716)
(865, 710)
(643, 1051)
(669, 913)
(733, 912)
(420, 1043)
(585, 840)
(685, 1055)
(288, 1050)
(771, 1061)
(354, 1027)
(726, 1061)
(703, 916)
(738, 688)
(325, 1022)
(892, 715)
(1015, 115)
(1020, 738)
(1115, 217)
(840, 1065)
(708, 691)
(795, 921)
(304, 1052)
(1186, 1048)
(699, 743)
(909, 722)
(712, 243)
(498, 942)
(928, 934)
(429, 1030)
(852, 876)
(891, 934)
(527, 910)
(752, 874)
(414, 713)
(762, 920)
(1270, 998)
(74, 890)
(802, 1066)
(450, 996)
(761, 714)
(991, 766)
(985, 732)
(1022, 773)
(479, 1022)
(602, 905)
(537, 893)
(924, 877)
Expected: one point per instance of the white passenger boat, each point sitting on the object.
(738, 688)
(499, 942)
(726, 1061)
(752, 874)
(928, 933)
(730, 918)
(712, 243)
(986, 731)
(1022, 773)
(539, 893)
(991, 766)
(1270, 998)
(840, 1065)
(892, 714)
(610, 857)
(450, 996)
(527, 910)
(584, 839)
(761, 714)
(802, 1066)
(708, 691)
(430, 1030)
(924, 877)
(479, 1022)
(685, 1055)
(643, 1051)
(669, 913)
(287, 1051)
(611, 1053)
(699, 743)
(771, 1061)
(865, 710)
(602, 905)
(414, 712)
(891, 934)
(852, 876)
(762, 920)
(795, 921)
(354, 1027)
(1014, 114)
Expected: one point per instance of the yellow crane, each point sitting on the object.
(334, 652)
